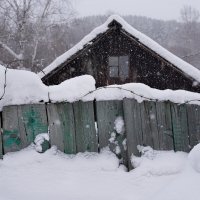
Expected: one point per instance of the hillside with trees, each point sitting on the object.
(32, 38)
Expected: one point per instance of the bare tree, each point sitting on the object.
(190, 33)
(189, 14)
(27, 22)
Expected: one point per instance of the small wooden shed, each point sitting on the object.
(116, 53)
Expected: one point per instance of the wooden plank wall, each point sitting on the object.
(72, 127)
(161, 125)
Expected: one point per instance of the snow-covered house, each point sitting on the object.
(116, 53)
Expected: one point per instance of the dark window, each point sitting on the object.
(119, 67)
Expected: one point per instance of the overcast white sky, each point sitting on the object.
(159, 9)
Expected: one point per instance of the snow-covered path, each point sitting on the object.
(53, 175)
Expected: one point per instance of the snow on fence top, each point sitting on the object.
(24, 87)
(141, 92)
(179, 63)
(20, 87)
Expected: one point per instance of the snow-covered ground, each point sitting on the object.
(54, 175)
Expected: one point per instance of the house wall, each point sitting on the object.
(145, 66)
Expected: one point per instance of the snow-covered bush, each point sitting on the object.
(41, 142)
(158, 163)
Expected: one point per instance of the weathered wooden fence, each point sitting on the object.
(89, 126)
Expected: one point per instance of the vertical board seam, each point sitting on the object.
(171, 114)
(48, 129)
(1, 134)
(96, 121)
(73, 110)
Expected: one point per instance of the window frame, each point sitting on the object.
(112, 64)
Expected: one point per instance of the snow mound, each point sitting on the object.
(158, 163)
(53, 158)
(194, 158)
(25, 87)
(141, 92)
(22, 87)
(39, 140)
(73, 89)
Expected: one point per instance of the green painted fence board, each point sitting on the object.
(1, 149)
(32, 120)
(133, 126)
(193, 113)
(62, 127)
(21, 124)
(11, 134)
(180, 127)
(86, 136)
(164, 124)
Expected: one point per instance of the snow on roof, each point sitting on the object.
(179, 63)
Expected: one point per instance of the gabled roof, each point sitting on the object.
(185, 67)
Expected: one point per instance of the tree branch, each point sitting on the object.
(192, 54)
(10, 51)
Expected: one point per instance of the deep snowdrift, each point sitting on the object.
(53, 175)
